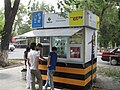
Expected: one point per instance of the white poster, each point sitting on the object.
(55, 20)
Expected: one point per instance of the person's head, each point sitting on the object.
(54, 49)
(27, 49)
(33, 46)
(39, 46)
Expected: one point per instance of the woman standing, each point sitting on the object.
(28, 67)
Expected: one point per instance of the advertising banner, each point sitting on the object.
(37, 19)
(92, 22)
(76, 18)
(91, 19)
(98, 22)
(74, 52)
(55, 20)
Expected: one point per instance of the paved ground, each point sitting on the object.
(10, 79)
(16, 54)
(106, 83)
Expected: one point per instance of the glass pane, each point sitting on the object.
(76, 38)
(61, 44)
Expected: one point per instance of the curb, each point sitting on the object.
(11, 66)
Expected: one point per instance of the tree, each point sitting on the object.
(18, 23)
(10, 13)
(106, 10)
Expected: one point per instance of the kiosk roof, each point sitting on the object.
(50, 32)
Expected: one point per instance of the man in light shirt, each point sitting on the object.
(33, 58)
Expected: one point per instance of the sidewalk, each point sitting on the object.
(10, 79)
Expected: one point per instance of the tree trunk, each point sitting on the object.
(4, 58)
(10, 13)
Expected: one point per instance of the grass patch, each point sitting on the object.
(109, 71)
(14, 62)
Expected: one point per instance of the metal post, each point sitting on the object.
(92, 58)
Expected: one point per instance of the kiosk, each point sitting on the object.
(76, 40)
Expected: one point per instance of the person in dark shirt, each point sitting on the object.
(26, 54)
(28, 67)
(51, 65)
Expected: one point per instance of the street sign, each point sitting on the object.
(37, 19)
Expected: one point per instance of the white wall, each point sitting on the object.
(88, 45)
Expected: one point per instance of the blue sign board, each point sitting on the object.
(37, 19)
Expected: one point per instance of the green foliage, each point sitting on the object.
(1, 21)
(109, 22)
(119, 13)
(69, 5)
(20, 17)
(23, 29)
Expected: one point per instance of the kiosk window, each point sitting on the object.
(76, 38)
(61, 44)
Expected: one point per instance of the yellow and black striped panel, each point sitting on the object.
(72, 76)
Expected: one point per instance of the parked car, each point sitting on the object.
(112, 56)
(11, 47)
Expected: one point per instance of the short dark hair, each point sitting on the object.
(54, 49)
(32, 46)
(39, 45)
